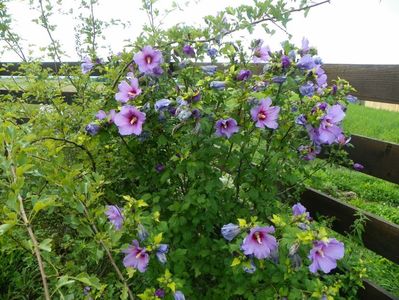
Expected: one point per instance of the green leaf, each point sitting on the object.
(5, 227)
(46, 245)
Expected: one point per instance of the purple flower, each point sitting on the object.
(209, 70)
(189, 51)
(334, 89)
(161, 253)
(196, 96)
(111, 116)
(212, 52)
(306, 63)
(86, 290)
(325, 254)
(343, 140)
(351, 99)
(321, 77)
(305, 46)
(142, 233)
(179, 296)
(299, 210)
(230, 231)
(301, 120)
(226, 127)
(92, 129)
(218, 85)
(114, 214)
(160, 293)
(159, 168)
(261, 54)
(328, 131)
(100, 115)
(196, 114)
(244, 75)
(162, 104)
(265, 115)
(259, 242)
(279, 79)
(149, 60)
(307, 89)
(87, 65)
(309, 152)
(285, 61)
(128, 91)
(358, 167)
(136, 257)
(129, 120)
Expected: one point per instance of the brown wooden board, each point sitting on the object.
(380, 236)
(378, 83)
(379, 158)
(68, 96)
(9, 68)
(372, 291)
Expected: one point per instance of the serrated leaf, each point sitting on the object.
(242, 223)
(158, 238)
(172, 286)
(236, 261)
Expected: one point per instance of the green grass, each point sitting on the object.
(371, 122)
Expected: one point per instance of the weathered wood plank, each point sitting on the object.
(8, 68)
(68, 96)
(372, 291)
(380, 236)
(379, 83)
(380, 159)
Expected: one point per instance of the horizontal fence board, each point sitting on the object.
(380, 236)
(379, 83)
(9, 68)
(68, 96)
(374, 292)
(380, 159)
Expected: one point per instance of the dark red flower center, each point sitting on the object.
(132, 93)
(262, 115)
(225, 125)
(258, 237)
(148, 59)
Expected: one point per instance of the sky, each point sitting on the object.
(344, 31)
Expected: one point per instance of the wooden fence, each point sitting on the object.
(379, 83)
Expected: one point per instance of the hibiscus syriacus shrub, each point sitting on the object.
(155, 161)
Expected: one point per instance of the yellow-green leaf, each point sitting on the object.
(236, 261)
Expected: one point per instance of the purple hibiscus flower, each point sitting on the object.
(149, 60)
(325, 254)
(305, 46)
(343, 140)
(129, 120)
(244, 75)
(261, 54)
(86, 65)
(328, 131)
(189, 51)
(306, 63)
(230, 231)
(161, 253)
(265, 115)
(160, 293)
(136, 257)
(226, 127)
(114, 214)
(162, 104)
(128, 91)
(299, 210)
(321, 78)
(259, 242)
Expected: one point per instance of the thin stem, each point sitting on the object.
(93, 45)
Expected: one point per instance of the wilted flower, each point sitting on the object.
(265, 115)
(305, 46)
(358, 167)
(259, 242)
(162, 104)
(189, 51)
(307, 89)
(149, 60)
(226, 127)
(115, 216)
(251, 268)
(184, 114)
(296, 260)
(161, 253)
(179, 296)
(129, 120)
(285, 61)
(301, 120)
(92, 129)
(324, 255)
(159, 168)
(244, 75)
(128, 91)
(86, 65)
(230, 231)
(136, 257)
(195, 113)
(86, 290)
(142, 233)
(212, 52)
(328, 131)
(209, 70)
(279, 79)
(309, 152)
(218, 85)
(343, 140)
(352, 99)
